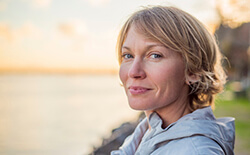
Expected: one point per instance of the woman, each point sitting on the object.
(170, 67)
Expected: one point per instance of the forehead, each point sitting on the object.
(135, 35)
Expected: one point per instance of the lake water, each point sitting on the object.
(59, 114)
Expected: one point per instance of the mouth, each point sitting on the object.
(136, 90)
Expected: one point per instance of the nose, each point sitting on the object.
(136, 70)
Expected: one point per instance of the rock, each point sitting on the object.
(117, 137)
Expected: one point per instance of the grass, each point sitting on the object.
(239, 108)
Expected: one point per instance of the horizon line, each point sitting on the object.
(44, 70)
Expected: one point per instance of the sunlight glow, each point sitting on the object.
(81, 34)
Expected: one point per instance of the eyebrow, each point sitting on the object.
(148, 47)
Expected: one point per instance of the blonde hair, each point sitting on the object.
(183, 33)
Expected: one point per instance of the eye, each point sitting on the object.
(127, 56)
(155, 56)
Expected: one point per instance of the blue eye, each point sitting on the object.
(127, 56)
(155, 56)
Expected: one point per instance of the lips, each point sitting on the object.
(136, 90)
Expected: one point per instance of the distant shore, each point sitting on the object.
(30, 70)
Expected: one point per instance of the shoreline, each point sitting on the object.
(117, 137)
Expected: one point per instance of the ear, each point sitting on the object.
(192, 78)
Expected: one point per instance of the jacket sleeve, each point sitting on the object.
(198, 145)
(206, 146)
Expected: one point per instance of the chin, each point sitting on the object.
(139, 107)
(136, 107)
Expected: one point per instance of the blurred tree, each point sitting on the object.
(234, 39)
(234, 44)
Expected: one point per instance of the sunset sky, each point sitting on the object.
(73, 34)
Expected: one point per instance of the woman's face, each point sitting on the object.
(152, 75)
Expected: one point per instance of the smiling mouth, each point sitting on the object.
(138, 90)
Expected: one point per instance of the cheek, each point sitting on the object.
(122, 74)
(170, 75)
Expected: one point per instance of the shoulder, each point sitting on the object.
(195, 145)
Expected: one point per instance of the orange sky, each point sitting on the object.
(76, 34)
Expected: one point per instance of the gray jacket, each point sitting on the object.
(198, 133)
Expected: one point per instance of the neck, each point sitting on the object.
(171, 113)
